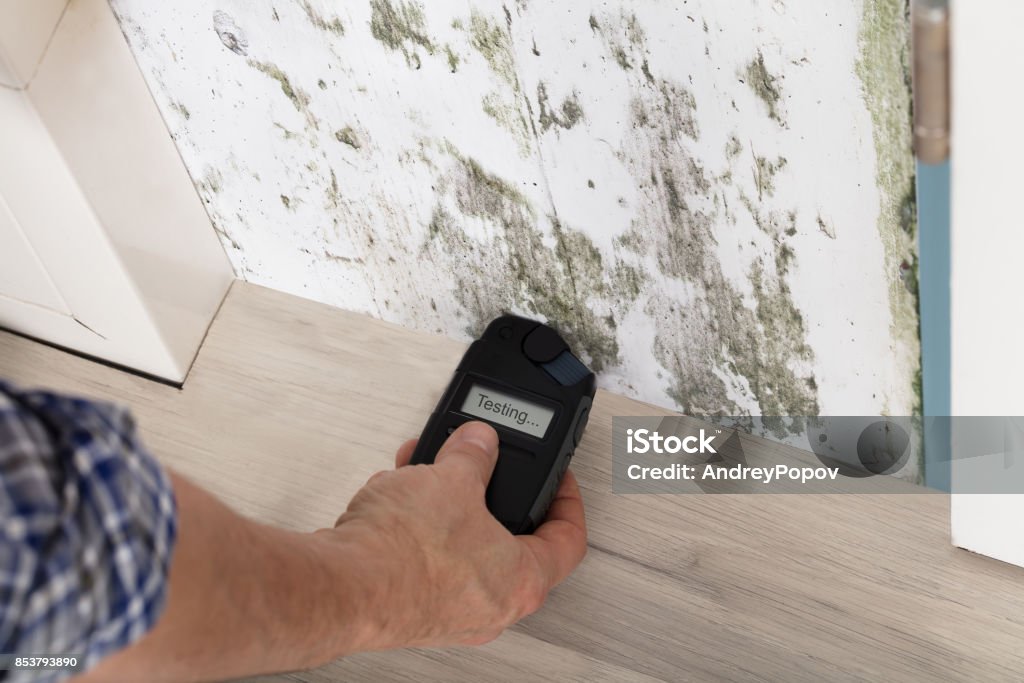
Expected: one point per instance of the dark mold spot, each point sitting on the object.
(634, 50)
(453, 59)
(333, 192)
(645, 69)
(288, 134)
(764, 175)
(181, 109)
(621, 58)
(765, 86)
(826, 228)
(348, 136)
(211, 184)
(494, 44)
(332, 26)
(568, 115)
(225, 236)
(669, 109)
(401, 26)
(733, 147)
(297, 97)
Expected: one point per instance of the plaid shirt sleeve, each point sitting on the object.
(87, 525)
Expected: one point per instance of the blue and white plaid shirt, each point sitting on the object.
(87, 526)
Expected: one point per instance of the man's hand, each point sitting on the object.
(417, 559)
(437, 567)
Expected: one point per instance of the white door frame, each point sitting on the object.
(987, 237)
(91, 182)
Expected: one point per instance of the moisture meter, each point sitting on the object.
(520, 377)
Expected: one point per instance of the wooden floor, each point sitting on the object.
(282, 417)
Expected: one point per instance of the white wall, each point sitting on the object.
(710, 198)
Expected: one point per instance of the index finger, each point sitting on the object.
(404, 453)
(560, 543)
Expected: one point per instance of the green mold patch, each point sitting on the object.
(721, 351)
(401, 26)
(670, 109)
(297, 96)
(509, 115)
(771, 222)
(333, 192)
(645, 69)
(288, 134)
(495, 45)
(765, 86)
(621, 58)
(634, 32)
(628, 282)
(883, 68)
(509, 109)
(733, 147)
(764, 175)
(624, 53)
(330, 25)
(347, 136)
(182, 110)
(687, 233)
(566, 116)
(453, 58)
(211, 183)
(517, 266)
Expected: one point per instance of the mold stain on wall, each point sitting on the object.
(400, 26)
(648, 180)
(520, 269)
(883, 40)
(763, 344)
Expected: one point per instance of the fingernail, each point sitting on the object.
(477, 433)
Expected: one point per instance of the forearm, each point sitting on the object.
(243, 598)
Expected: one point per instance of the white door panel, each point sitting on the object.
(987, 233)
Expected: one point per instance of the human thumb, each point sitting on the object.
(474, 445)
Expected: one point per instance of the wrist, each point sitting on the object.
(351, 592)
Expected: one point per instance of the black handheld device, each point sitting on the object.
(521, 377)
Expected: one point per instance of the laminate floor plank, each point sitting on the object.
(292, 405)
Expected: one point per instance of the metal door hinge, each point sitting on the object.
(929, 22)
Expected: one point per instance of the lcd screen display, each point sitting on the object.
(508, 411)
